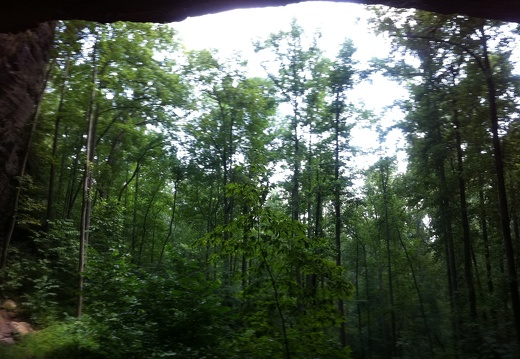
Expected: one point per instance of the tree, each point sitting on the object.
(274, 245)
(458, 75)
(291, 71)
(341, 80)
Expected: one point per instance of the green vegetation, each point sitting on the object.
(173, 206)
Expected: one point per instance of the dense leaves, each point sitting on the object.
(175, 206)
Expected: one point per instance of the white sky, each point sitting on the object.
(235, 30)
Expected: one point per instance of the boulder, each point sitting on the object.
(8, 305)
(21, 328)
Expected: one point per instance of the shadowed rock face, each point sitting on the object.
(23, 14)
(23, 56)
(23, 60)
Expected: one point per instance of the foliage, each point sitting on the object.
(218, 213)
(279, 309)
(146, 315)
(70, 339)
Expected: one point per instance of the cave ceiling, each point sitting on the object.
(23, 14)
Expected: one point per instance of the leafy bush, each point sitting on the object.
(71, 339)
(47, 277)
(152, 315)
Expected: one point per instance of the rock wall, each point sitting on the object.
(23, 14)
(11, 325)
(23, 63)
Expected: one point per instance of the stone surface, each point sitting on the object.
(12, 327)
(21, 328)
(23, 14)
(8, 305)
(23, 63)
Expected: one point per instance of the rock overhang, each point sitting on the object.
(25, 14)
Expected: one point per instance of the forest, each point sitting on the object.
(173, 206)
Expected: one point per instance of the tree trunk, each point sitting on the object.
(485, 238)
(337, 219)
(358, 306)
(384, 186)
(87, 182)
(134, 215)
(468, 271)
(418, 291)
(501, 187)
(145, 224)
(12, 222)
(172, 225)
(52, 170)
(295, 194)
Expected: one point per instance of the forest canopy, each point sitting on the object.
(174, 205)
